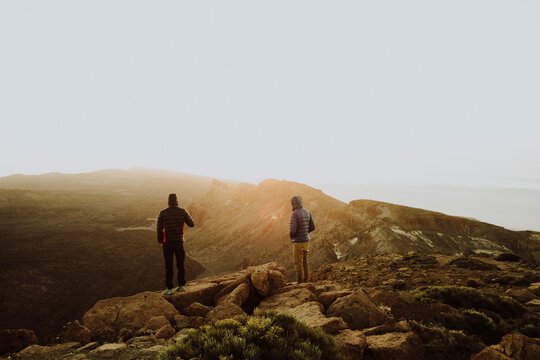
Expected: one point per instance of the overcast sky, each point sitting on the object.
(312, 91)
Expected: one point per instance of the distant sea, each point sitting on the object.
(512, 208)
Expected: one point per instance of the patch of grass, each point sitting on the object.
(468, 298)
(472, 264)
(440, 343)
(425, 261)
(263, 336)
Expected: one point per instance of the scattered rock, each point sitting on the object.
(328, 297)
(125, 334)
(107, 317)
(157, 322)
(394, 346)
(287, 300)
(12, 341)
(197, 309)
(521, 295)
(165, 332)
(351, 344)
(146, 340)
(311, 314)
(75, 332)
(512, 347)
(535, 289)
(358, 310)
(88, 347)
(152, 351)
(109, 351)
(390, 326)
(181, 321)
(196, 321)
(225, 311)
(533, 303)
(238, 296)
(403, 305)
(202, 292)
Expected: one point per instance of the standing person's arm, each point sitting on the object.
(293, 226)
(311, 223)
(160, 229)
(188, 219)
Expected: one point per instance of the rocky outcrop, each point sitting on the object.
(16, 340)
(512, 347)
(108, 317)
(358, 310)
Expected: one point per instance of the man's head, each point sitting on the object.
(173, 200)
(296, 202)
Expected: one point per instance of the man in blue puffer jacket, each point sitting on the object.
(301, 225)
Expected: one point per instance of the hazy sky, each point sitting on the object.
(313, 91)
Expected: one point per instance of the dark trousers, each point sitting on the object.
(169, 253)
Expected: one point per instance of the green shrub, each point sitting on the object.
(443, 344)
(472, 264)
(263, 336)
(468, 298)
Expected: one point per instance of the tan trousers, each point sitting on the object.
(300, 254)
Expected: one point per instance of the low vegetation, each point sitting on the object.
(440, 343)
(262, 336)
(462, 297)
(465, 262)
(425, 261)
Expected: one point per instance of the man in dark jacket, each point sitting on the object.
(301, 225)
(170, 234)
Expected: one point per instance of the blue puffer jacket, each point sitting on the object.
(301, 221)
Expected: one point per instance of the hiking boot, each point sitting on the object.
(168, 292)
(180, 289)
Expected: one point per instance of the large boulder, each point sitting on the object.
(351, 344)
(358, 310)
(12, 341)
(328, 297)
(225, 311)
(237, 296)
(267, 278)
(201, 292)
(107, 317)
(75, 332)
(311, 313)
(109, 351)
(512, 347)
(394, 346)
(287, 300)
(197, 309)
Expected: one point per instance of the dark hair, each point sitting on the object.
(173, 200)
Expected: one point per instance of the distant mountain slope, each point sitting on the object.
(249, 224)
(131, 181)
(388, 228)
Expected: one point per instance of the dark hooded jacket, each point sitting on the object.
(170, 225)
(301, 221)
